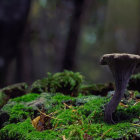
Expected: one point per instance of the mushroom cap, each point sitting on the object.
(108, 59)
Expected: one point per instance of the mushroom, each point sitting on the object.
(122, 66)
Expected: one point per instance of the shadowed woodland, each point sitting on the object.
(52, 84)
(53, 35)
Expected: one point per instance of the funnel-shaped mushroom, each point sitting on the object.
(122, 66)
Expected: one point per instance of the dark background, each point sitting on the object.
(41, 36)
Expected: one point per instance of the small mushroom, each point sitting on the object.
(122, 66)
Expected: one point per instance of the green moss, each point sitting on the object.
(59, 98)
(111, 131)
(56, 102)
(136, 76)
(26, 98)
(17, 109)
(101, 131)
(132, 111)
(66, 117)
(66, 82)
(25, 131)
(77, 118)
(3, 99)
(93, 109)
(74, 132)
(19, 113)
(82, 118)
(96, 89)
(39, 86)
(15, 90)
(134, 82)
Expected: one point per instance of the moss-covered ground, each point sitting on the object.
(70, 117)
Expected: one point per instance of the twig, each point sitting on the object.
(106, 132)
(48, 115)
(68, 105)
(136, 102)
(136, 125)
(63, 137)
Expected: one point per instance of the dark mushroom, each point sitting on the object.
(122, 66)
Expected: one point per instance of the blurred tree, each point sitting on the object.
(138, 34)
(74, 33)
(24, 57)
(137, 51)
(13, 16)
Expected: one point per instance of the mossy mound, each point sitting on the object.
(25, 131)
(12, 91)
(74, 118)
(97, 89)
(65, 108)
(66, 82)
(3, 99)
(16, 109)
(15, 90)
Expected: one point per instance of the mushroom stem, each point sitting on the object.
(122, 66)
(121, 76)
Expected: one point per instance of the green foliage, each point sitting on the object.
(90, 110)
(74, 132)
(39, 86)
(134, 82)
(66, 82)
(116, 131)
(137, 94)
(66, 117)
(26, 98)
(136, 76)
(59, 98)
(25, 131)
(96, 89)
(132, 111)
(19, 113)
(15, 90)
(74, 118)
(93, 109)
(54, 102)
(80, 117)
(17, 109)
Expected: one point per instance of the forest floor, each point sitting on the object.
(62, 107)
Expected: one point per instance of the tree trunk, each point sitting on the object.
(137, 50)
(138, 35)
(73, 35)
(13, 16)
(24, 57)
